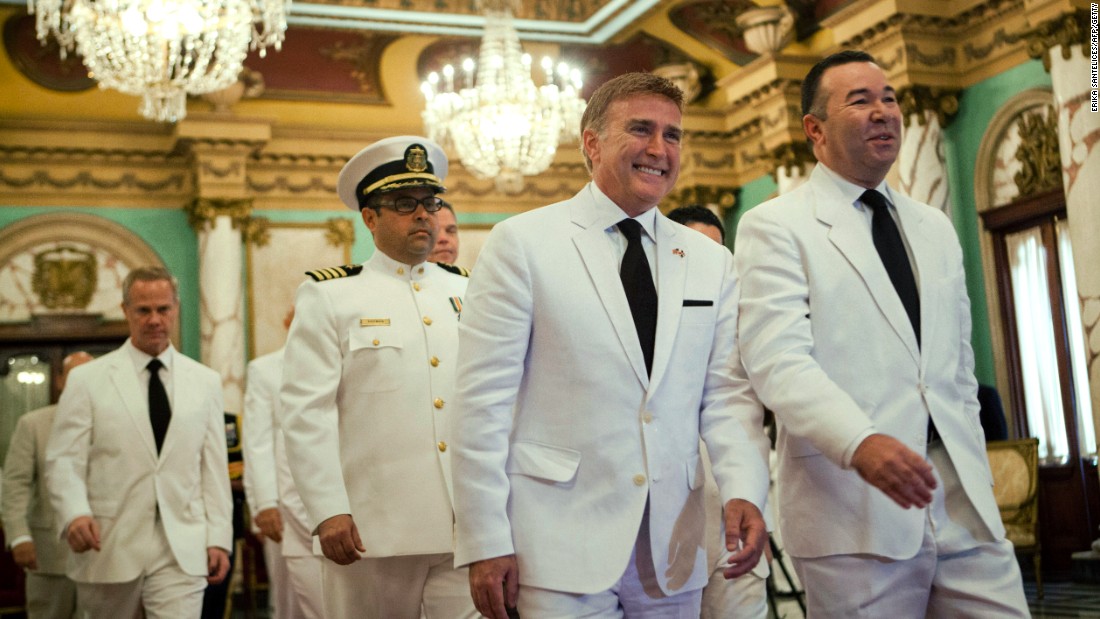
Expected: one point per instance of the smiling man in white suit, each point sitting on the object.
(855, 326)
(586, 379)
(136, 468)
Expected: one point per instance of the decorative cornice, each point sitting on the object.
(283, 183)
(203, 211)
(1066, 30)
(86, 179)
(256, 231)
(17, 153)
(1038, 153)
(922, 100)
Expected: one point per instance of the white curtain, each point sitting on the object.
(1086, 430)
(1038, 354)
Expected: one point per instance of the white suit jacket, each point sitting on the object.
(102, 461)
(366, 402)
(829, 348)
(562, 438)
(268, 482)
(25, 499)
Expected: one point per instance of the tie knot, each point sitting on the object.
(631, 229)
(873, 199)
(155, 365)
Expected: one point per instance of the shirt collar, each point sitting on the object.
(610, 214)
(382, 263)
(851, 191)
(141, 359)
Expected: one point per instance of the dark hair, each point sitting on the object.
(697, 213)
(149, 274)
(813, 79)
(622, 87)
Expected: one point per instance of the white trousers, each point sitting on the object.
(163, 591)
(304, 577)
(636, 595)
(744, 597)
(959, 570)
(397, 588)
(50, 596)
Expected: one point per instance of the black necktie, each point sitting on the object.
(640, 292)
(891, 250)
(160, 413)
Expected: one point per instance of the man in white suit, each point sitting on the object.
(578, 477)
(136, 468)
(366, 398)
(29, 522)
(855, 330)
(273, 500)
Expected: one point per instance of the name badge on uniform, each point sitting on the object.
(456, 304)
(374, 322)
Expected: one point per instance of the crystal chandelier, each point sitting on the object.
(162, 50)
(504, 127)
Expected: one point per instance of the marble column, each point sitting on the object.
(921, 164)
(221, 292)
(1078, 137)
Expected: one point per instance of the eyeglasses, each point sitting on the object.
(408, 204)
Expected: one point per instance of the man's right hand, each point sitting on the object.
(340, 539)
(270, 523)
(25, 556)
(83, 534)
(887, 464)
(494, 584)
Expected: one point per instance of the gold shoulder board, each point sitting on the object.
(348, 270)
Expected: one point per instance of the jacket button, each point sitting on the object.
(438, 402)
(427, 321)
(639, 480)
(442, 446)
(647, 418)
(434, 361)
(416, 286)
(376, 342)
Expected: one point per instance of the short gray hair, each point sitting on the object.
(149, 274)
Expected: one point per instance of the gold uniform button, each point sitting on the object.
(427, 321)
(400, 271)
(420, 270)
(434, 361)
(442, 446)
(647, 418)
(438, 403)
(416, 286)
(639, 480)
(376, 342)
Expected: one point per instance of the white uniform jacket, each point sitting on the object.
(829, 348)
(102, 461)
(26, 500)
(367, 400)
(268, 482)
(562, 438)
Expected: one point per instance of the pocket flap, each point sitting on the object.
(372, 337)
(543, 461)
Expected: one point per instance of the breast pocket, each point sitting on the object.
(374, 359)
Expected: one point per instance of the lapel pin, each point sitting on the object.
(679, 252)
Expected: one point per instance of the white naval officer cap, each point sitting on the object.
(389, 164)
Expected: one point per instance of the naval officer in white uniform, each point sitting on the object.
(366, 398)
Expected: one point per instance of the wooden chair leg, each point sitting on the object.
(1038, 562)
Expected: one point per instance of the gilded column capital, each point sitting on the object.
(920, 100)
(256, 231)
(1067, 30)
(201, 212)
(340, 232)
(724, 197)
(792, 156)
(1038, 153)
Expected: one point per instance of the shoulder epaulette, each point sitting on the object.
(348, 270)
(457, 270)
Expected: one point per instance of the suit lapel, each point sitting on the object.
(850, 233)
(671, 271)
(134, 399)
(600, 262)
(922, 244)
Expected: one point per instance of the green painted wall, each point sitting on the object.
(170, 236)
(963, 136)
(752, 194)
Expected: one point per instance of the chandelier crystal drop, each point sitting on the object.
(503, 126)
(162, 50)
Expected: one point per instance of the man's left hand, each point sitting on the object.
(217, 564)
(746, 537)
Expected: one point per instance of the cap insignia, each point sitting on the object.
(416, 158)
